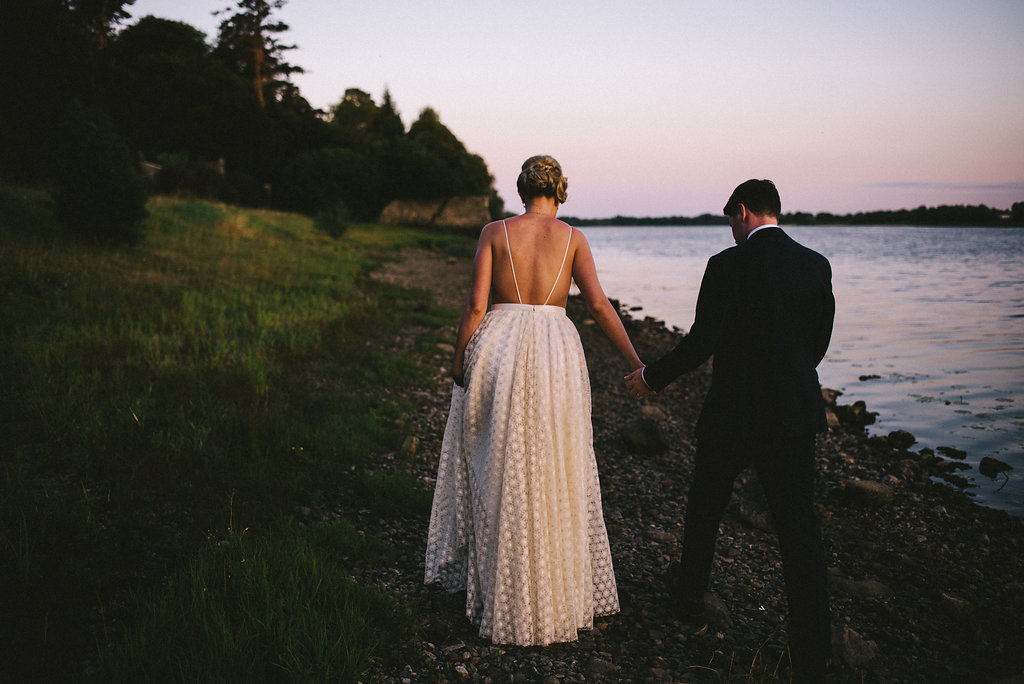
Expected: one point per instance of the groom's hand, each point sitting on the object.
(636, 385)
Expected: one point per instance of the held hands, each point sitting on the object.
(636, 385)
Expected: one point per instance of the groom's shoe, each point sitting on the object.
(687, 608)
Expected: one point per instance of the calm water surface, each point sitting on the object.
(931, 318)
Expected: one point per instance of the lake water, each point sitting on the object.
(931, 318)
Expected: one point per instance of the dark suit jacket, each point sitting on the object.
(765, 311)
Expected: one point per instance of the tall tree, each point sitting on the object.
(100, 16)
(46, 59)
(151, 35)
(173, 97)
(468, 171)
(352, 118)
(387, 124)
(247, 42)
(357, 121)
(1017, 213)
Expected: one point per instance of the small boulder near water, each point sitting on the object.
(830, 396)
(855, 415)
(991, 467)
(901, 439)
(950, 452)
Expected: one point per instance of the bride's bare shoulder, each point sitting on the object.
(578, 238)
(490, 230)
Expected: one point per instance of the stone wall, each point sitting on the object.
(469, 212)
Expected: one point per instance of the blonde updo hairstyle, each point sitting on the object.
(542, 177)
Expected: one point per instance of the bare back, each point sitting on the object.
(540, 266)
(547, 255)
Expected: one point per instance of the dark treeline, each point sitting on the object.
(702, 220)
(955, 215)
(943, 215)
(218, 120)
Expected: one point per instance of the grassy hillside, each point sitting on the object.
(166, 410)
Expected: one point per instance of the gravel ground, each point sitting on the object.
(925, 585)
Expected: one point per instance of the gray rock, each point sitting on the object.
(831, 417)
(864, 416)
(661, 536)
(652, 412)
(991, 467)
(901, 439)
(868, 492)
(957, 606)
(856, 415)
(756, 515)
(643, 436)
(950, 452)
(854, 650)
(599, 666)
(716, 611)
(909, 467)
(858, 588)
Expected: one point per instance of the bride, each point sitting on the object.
(516, 520)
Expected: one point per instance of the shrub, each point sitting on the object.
(246, 190)
(187, 178)
(334, 219)
(99, 191)
(317, 180)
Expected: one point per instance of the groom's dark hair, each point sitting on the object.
(759, 197)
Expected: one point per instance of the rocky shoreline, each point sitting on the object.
(925, 585)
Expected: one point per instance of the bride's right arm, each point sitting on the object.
(476, 304)
(584, 272)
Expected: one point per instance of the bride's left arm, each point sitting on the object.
(476, 304)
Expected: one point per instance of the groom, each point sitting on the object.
(765, 313)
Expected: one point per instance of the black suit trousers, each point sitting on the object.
(785, 467)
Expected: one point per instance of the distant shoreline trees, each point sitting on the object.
(943, 215)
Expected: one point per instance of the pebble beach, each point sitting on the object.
(925, 585)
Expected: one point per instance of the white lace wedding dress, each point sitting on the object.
(517, 519)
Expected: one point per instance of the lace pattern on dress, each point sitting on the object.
(517, 519)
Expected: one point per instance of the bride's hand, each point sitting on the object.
(636, 385)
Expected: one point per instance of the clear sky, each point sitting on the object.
(661, 107)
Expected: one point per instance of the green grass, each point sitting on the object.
(231, 356)
(277, 607)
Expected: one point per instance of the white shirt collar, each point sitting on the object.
(767, 225)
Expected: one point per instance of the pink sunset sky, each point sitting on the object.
(660, 108)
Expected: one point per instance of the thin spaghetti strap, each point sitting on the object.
(560, 268)
(509, 247)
